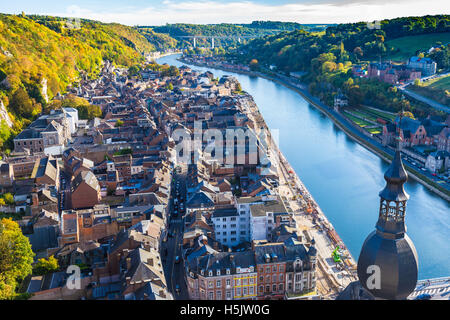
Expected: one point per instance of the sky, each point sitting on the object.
(160, 12)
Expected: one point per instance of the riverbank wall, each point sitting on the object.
(414, 174)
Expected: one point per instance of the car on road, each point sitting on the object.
(177, 259)
(423, 296)
(177, 289)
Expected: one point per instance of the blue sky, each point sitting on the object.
(158, 12)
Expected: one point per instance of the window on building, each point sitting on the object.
(280, 287)
(218, 283)
(274, 288)
(267, 279)
(228, 294)
(268, 270)
(274, 278)
(233, 218)
(274, 269)
(228, 282)
(267, 289)
(250, 290)
(219, 295)
(261, 289)
(233, 232)
(244, 291)
(210, 284)
(211, 295)
(233, 239)
(251, 280)
(281, 277)
(244, 282)
(238, 291)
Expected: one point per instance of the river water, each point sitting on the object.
(342, 176)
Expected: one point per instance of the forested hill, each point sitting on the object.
(326, 59)
(295, 50)
(256, 28)
(34, 48)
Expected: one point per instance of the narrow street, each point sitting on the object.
(171, 248)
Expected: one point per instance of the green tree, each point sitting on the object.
(21, 103)
(9, 198)
(119, 123)
(44, 266)
(254, 64)
(16, 258)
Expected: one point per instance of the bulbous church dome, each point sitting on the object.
(388, 264)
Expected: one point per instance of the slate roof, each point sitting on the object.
(89, 178)
(200, 199)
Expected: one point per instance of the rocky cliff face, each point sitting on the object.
(4, 115)
(44, 89)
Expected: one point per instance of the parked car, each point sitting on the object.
(177, 289)
(177, 259)
(423, 296)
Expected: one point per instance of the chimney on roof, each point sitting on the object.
(128, 263)
(150, 261)
(161, 293)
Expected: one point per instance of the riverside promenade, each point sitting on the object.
(310, 220)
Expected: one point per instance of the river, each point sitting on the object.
(344, 177)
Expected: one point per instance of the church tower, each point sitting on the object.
(388, 264)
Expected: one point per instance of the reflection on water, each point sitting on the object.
(344, 177)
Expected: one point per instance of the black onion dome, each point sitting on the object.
(398, 264)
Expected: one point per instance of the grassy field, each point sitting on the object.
(437, 90)
(407, 46)
(376, 130)
(356, 120)
(380, 114)
(439, 84)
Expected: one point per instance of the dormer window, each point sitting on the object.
(210, 273)
(218, 272)
(228, 271)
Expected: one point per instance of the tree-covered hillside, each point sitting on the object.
(327, 59)
(39, 51)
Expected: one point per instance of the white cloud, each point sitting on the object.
(197, 11)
